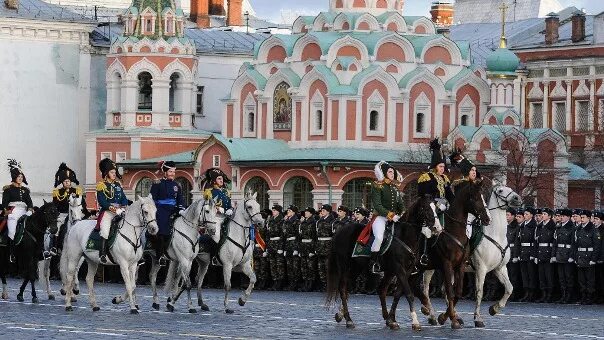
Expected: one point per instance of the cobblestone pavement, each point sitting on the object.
(278, 315)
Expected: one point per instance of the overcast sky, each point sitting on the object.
(288, 10)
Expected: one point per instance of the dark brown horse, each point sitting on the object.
(450, 250)
(398, 261)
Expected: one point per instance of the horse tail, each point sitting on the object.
(334, 276)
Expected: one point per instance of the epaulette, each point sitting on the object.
(6, 187)
(55, 192)
(458, 181)
(157, 181)
(101, 186)
(446, 179)
(207, 194)
(425, 177)
(378, 184)
(79, 191)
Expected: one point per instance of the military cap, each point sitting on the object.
(520, 211)
(586, 212)
(538, 211)
(566, 212)
(530, 210)
(344, 209)
(511, 211)
(278, 208)
(548, 211)
(598, 214)
(577, 211)
(293, 208)
(310, 210)
(326, 207)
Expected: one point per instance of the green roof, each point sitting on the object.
(181, 158)
(420, 41)
(346, 61)
(577, 173)
(410, 19)
(292, 76)
(502, 62)
(451, 82)
(501, 114)
(404, 82)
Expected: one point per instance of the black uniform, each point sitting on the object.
(308, 258)
(324, 235)
(526, 240)
(12, 193)
(587, 252)
(292, 260)
(600, 267)
(545, 243)
(274, 247)
(514, 268)
(563, 251)
(261, 262)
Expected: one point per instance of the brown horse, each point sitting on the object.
(450, 250)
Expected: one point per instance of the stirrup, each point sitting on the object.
(423, 260)
(12, 258)
(53, 251)
(47, 254)
(376, 268)
(163, 261)
(103, 259)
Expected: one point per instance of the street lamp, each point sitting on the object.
(247, 22)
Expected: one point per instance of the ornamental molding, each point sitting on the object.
(535, 92)
(582, 90)
(558, 91)
(45, 31)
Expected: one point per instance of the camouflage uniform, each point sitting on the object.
(274, 247)
(324, 235)
(261, 263)
(290, 228)
(308, 243)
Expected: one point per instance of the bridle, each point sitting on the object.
(138, 237)
(499, 197)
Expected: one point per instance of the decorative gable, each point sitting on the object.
(582, 90)
(535, 93)
(558, 91)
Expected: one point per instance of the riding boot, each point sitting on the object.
(374, 263)
(162, 259)
(103, 251)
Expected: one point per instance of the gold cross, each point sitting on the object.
(503, 41)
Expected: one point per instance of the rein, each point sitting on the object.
(248, 242)
(138, 237)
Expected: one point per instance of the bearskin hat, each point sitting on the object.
(106, 165)
(15, 170)
(64, 173)
(437, 155)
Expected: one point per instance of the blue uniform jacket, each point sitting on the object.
(222, 196)
(168, 198)
(108, 194)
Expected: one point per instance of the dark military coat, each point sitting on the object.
(587, 245)
(545, 241)
(563, 242)
(386, 199)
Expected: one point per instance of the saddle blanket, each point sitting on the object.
(20, 230)
(477, 236)
(94, 240)
(364, 250)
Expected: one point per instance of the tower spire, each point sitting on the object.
(503, 41)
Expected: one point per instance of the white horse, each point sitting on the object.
(127, 250)
(493, 251)
(182, 250)
(74, 215)
(236, 253)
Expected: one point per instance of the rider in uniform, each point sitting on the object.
(325, 230)
(342, 219)
(586, 250)
(562, 254)
(60, 197)
(217, 180)
(291, 227)
(16, 201)
(469, 173)
(526, 239)
(308, 242)
(168, 197)
(434, 182)
(543, 258)
(274, 246)
(111, 199)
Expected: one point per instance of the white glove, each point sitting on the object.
(427, 232)
(285, 253)
(552, 260)
(119, 211)
(311, 254)
(229, 212)
(265, 254)
(536, 261)
(592, 263)
(220, 210)
(515, 260)
(28, 213)
(396, 218)
(531, 258)
(181, 212)
(571, 260)
(295, 253)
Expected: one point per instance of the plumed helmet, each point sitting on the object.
(381, 168)
(63, 173)
(166, 165)
(106, 165)
(15, 170)
(437, 155)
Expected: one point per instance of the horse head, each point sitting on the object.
(503, 197)
(47, 217)
(252, 208)
(207, 214)
(75, 208)
(469, 194)
(148, 211)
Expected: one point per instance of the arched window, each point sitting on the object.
(420, 126)
(259, 186)
(117, 93)
(297, 191)
(319, 120)
(143, 187)
(374, 120)
(251, 121)
(172, 100)
(464, 120)
(145, 91)
(357, 193)
(186, 187)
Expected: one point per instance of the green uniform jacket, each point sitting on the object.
(386, 199)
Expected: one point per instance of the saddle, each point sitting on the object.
(94, 240)
(149, 248)
(364, 250)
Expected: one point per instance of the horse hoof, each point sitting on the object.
(114, 301)
(479, 324)
(425, 310)
(34, 300)
(63, 292)
(493, 310)
(229, 311)
(4, 296)
(51, 297)
(170, 308)
(204, 307)
(241, 302)
(76, 291)
(350, 324)
(416, 327)
(394, 326)
(74, 300)
(169, 300)
(96, 309)
(338, 317)
(432, 322)
(134, 311)
(192, 310)
(69, 309)
(460, 320)
(20, 298)
(456, 325)
(137, 307)
(442, 318)
(155, 306)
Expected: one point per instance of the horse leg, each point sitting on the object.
(458, 289)
(34, 296)
(69, 277)
(172, 286)
(479, 276)
(427, 308)
(344, 297)
(133, 277)
(153, 280)
(248, 270)
(201, 273)
(502, 275)
(226, 273)
(125, 270)
(383, 291)
(449, 288)
(185, 271)
(76, 288)
(46, 276)
(21, 290)
(391, 317)
(4, 288)
(407, 290)
(92, 267)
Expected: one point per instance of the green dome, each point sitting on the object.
(502, 61)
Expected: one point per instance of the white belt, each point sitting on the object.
(293, 238)
(274, 238)
(512, 245)
(306, 240)
(545, 244)
(585, 249)
(324, 238)
(257, 245)
(526, 244)
(564, 246)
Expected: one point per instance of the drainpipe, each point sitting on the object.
(324, 165)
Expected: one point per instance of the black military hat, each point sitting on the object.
(520, 211)
(166, 165)
(538, 211)
(530, 210)
(63, 173)
(266, 213)
(511, 211)
(577, 211)
(548, 211)
(558, 211)
(277, 207)
(586, 212)
(598, 214)
(327, 207)
(213, 173)
(310, 210)
(106, 165)
(293, 208)
(437, 155)
(359, 210)
(566, 212)
(344, 209)
(15, 170)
